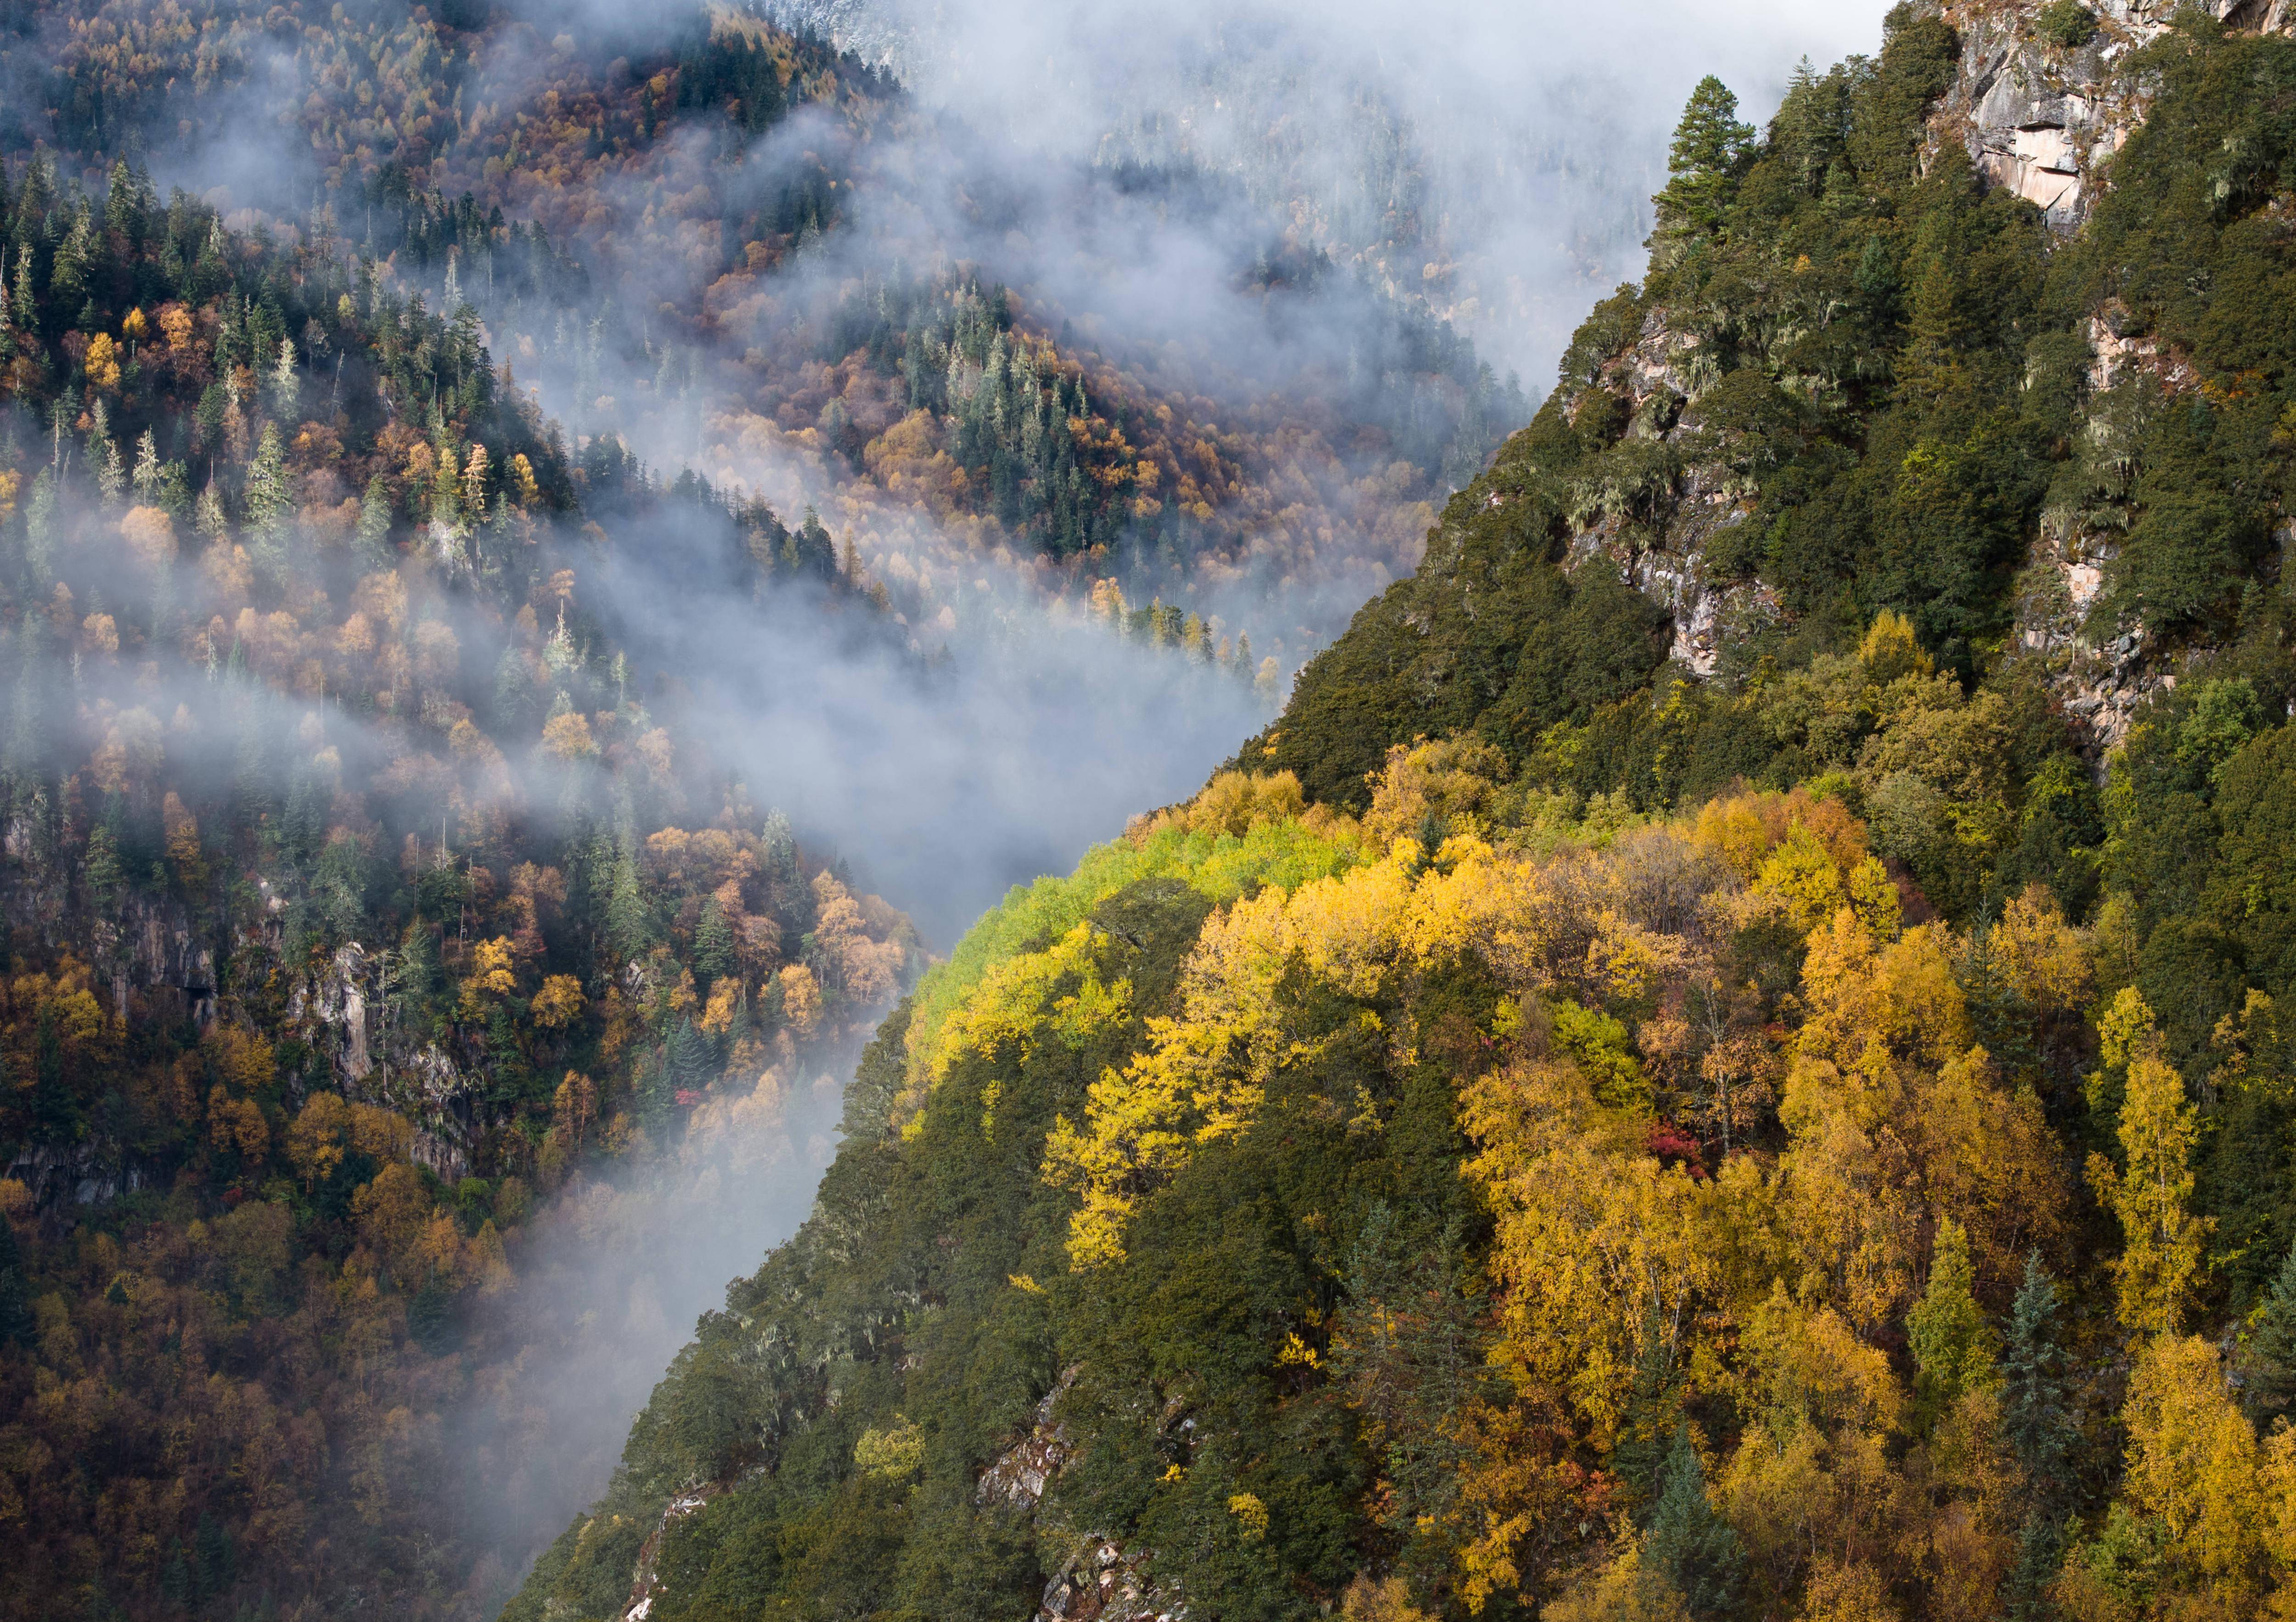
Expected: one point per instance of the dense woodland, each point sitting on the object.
(356, 902)
(1556, 1131)
(384, 961)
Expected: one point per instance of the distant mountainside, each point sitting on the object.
(1721, 1058)
(355, 898)
(699, 196)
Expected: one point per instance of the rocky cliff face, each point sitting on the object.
(2038, 115)
(2042, 119)
(152, 958)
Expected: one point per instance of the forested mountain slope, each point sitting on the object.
(359, 893)
(712, 299)
(1722, 1058)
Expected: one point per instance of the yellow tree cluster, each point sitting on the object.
(1888, 1189)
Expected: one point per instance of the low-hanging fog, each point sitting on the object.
(1495, 159)
(1520, 143)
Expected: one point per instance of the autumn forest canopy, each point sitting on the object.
(1714, 1056)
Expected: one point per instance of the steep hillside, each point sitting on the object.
(1862, 378)
(356, 898)
(1721, 1058)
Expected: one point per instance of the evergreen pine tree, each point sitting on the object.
(1646, 1438)
(215, 1561)
(713, 944)
(107, 884)
(1710, 147)
(2033, 1414)
(627, 932)
(2267, 1362)
(374, 536)
(67, 274)
(415, 965)
(40, 528)
(1952, 1343)
(283, 387)
(270, 503)
(339, 886)
(1687, 1544)
(103, 455)
(207, 516)
(2040, 1552)
(26, 300)
(15, 1288)
(55, 1112)
(2035, 1421)
(686, 1062)
(119, 198)
(147, 476)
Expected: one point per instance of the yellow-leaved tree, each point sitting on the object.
(2151, 1190)
(1895, 1122)
(2194, 1461)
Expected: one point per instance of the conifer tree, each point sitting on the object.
(713, 944)
(147, 475)
(1646, 1435)
(416, 966)
(2033, 1413)
(283, 387)
(2267, 1362)
(373, 534)
(15, 1290)
(627, 932)
(207, 515)
(67, 274)
(104, 454)
(40, 527)
(1687, 1543)
(119, 198)
(54, 1112)
(685, 1058)
(269, 504)
(1952, 1343)
(2036, 1423)
(1710, 148)
(26, 301)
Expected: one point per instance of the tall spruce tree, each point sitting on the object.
(2267, 1362)
(2037, 1421)
(1709, 151)
(1688, 1544)
(713, 944)
(15, 1289)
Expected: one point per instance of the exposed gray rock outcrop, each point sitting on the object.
(1103, 1582)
